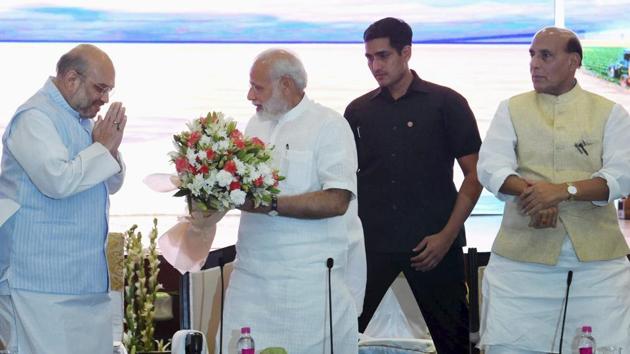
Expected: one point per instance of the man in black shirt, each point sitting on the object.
(408, 134)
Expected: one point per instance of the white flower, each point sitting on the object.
(197, 184)
(252, 176)
(264, 169)
(191, 156)
(237, 197)
(224, 178)
(211, 180)
(241, 168)
(221, 145)
(205, 140)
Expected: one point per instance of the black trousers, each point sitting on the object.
(440, 294)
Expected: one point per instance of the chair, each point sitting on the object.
(474, 264)
(115, 264)
(200, 300)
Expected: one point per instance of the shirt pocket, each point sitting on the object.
(297, 167)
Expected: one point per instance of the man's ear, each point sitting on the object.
(71, 81)
(575, 60)
(406, 52)
(286, 84)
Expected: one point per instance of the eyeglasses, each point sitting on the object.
(101, 89)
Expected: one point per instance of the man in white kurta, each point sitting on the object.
(559, 157)
(58, 167)
(279, 286)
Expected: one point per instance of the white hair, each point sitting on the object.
(284, 63)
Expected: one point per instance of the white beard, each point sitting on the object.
(275, 107)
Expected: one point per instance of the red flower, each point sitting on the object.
(204, 169)
(209, 154)
(239, 143)
(235, 185)
(194, 138)
(230, 166)
(258, 142)
(259, 181)
(276, 178)
(236, 135)
(181, 164)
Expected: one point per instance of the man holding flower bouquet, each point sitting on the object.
(279, 283)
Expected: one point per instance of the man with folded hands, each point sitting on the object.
(58, 167)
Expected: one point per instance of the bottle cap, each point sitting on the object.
(247, 330)
(587, 329)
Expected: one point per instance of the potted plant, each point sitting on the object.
(141, 291)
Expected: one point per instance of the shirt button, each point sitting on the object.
(393, 181)
(394, 127)
(393, 154)
(394, 207)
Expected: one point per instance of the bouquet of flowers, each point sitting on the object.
(218, 167)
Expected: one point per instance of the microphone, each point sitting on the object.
(194, 343)
(566, 303)
(221, 264)
(329, 263)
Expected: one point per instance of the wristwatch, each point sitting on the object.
(572, 190)
(274, 206)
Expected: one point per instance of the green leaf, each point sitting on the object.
(182, 192)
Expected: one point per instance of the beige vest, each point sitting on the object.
(560, 139)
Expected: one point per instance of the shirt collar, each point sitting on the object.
(53, 92)
(566, 97)
(297, 110)
(417, 85)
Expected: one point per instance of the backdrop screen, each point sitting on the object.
(176, 60)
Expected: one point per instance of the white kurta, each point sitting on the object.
(522, 302)
(49, 324)
(279, 285)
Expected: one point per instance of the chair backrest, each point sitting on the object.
(115, 263)
(200, 300)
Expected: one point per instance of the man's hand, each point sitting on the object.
(541, 195)
(109, 130)
(248, 206)
(544, 218)
(431, 251)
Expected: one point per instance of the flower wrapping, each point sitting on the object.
(218, 167)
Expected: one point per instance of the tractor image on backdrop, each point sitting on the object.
(619, 70)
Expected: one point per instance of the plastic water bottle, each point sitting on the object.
(586, 342)
(245, 343)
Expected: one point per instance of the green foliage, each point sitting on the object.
(597, 60)
(141, 287)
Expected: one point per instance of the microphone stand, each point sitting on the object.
(329, 263)
(566, 304)
(221, 264)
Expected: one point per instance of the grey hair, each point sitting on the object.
(285, 64)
